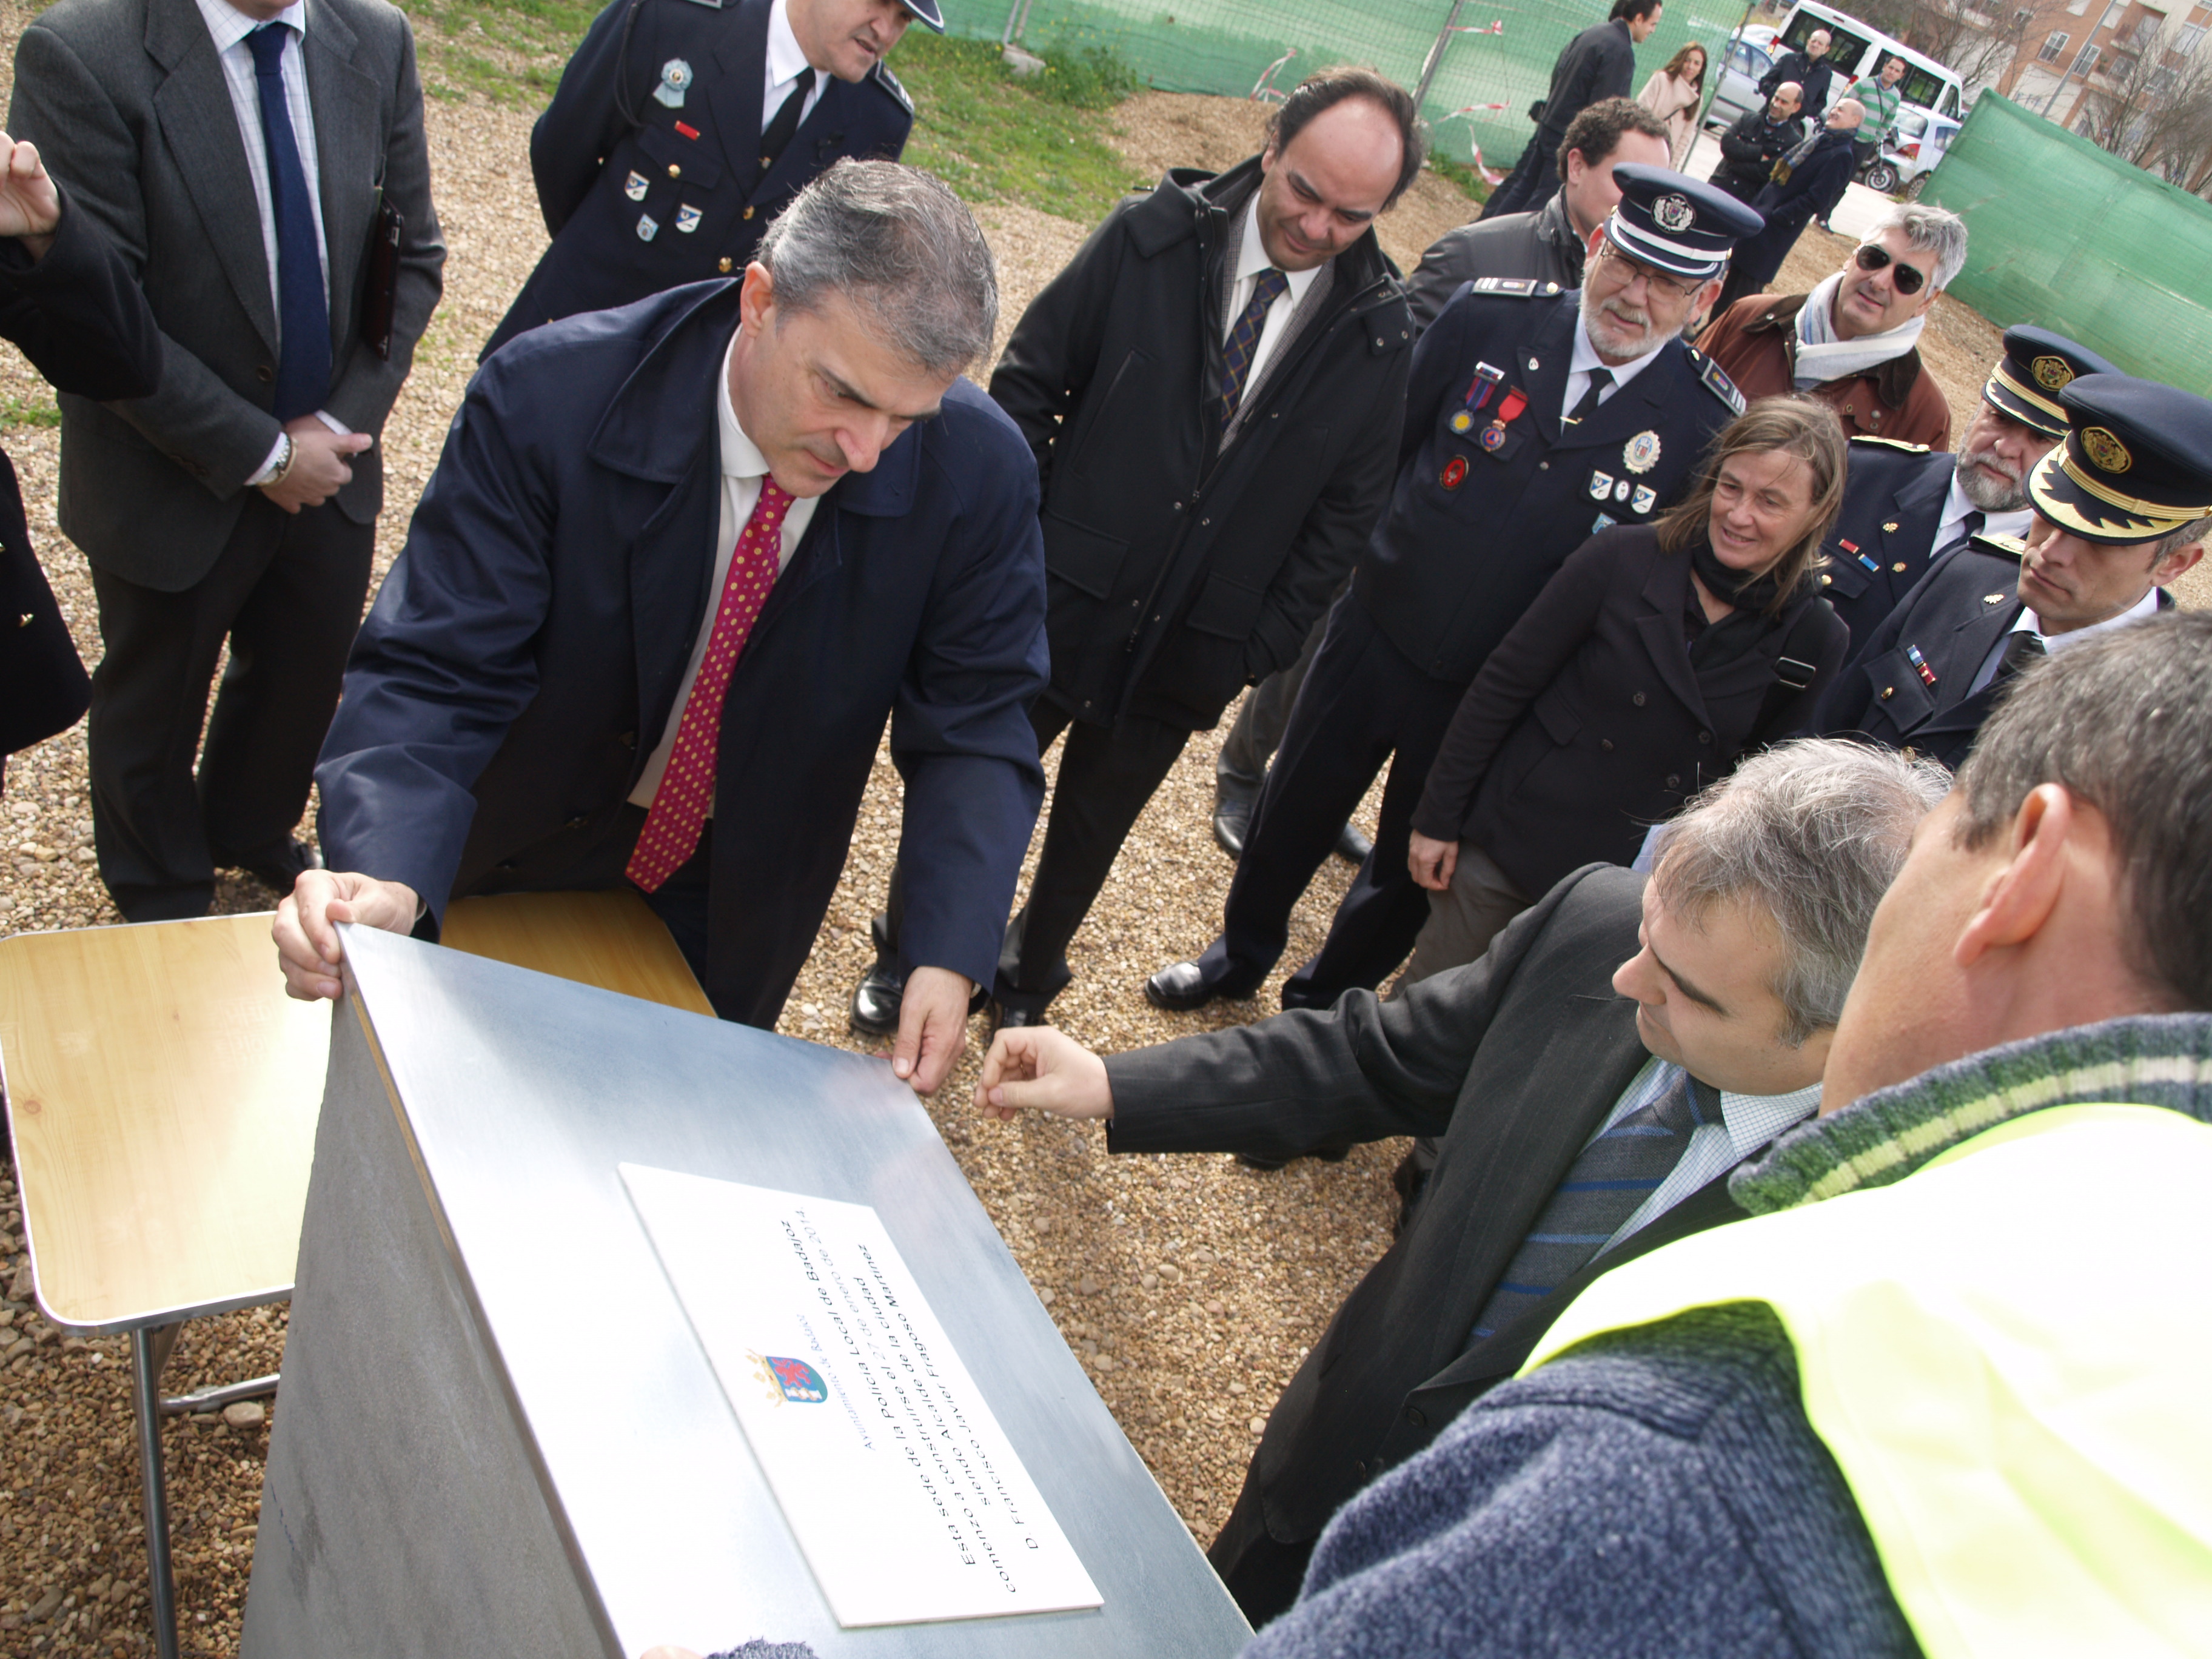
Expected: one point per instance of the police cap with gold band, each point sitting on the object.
(2037, 366)
(2136, 464)
(1677, 224)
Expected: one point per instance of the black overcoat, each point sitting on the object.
(81, 319)
(1514, 1060)
(1592, 720)
(1180, 572)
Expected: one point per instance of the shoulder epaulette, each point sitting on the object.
(882, 77)
(2011, 547)
(1890, 443)
(1716, 380)
(1518, 288)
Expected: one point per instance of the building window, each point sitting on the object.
(2055, 47)
(2113, 13)
(2084, 60)
(2186, 42)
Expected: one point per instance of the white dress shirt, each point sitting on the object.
(1747, 1123)
(1252, 259)
(229, 26)
(1953, 524)
(786, 62)
(743, 468)
(1585, 358)
(2029, 623)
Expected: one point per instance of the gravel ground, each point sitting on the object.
(1179, 1280)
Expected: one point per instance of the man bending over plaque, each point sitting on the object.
(678, 563)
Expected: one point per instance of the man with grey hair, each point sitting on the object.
(1854, 341)
(1594, 1077)
(680, 563)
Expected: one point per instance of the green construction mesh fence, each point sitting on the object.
(2067, 236)
(1495, 63)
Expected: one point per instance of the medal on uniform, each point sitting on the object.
(1493, 436)
(1603, 521)
(1620, 491)
(1485, 382)
(675, 80)
(1926, 674)
(1455, 470)
(687, 218)
(1601, 485)
(1641, 453)
(634, 187)
(1644, 500)
(648, 227)
(1870, 562)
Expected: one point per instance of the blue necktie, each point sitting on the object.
(303, 312)
(1608, 1184)
(1244, 340)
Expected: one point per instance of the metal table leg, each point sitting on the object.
(148, 1350)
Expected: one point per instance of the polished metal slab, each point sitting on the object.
(498, 1433)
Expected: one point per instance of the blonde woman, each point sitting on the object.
(1673, 94)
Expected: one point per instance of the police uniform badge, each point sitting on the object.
(675, 82)
(1620, 491)
(1519, 288)
(1674, 213)
(1644, 500)
(2106, 449)
(635, 185)
(1641, 453)
(1715, 379)
(648, 227)
(687, 218)
(1455, 472)
(1601, 485)
(1492, 437)
(2051, 374)
(1603, 521)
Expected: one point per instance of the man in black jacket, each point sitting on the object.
(1750, 149)
(1548, 244)
(1819, 170)
(1539, 1064)
(1212, 389)
(1809, 68)
(681, 128)
(1599, 63)
(1531, 422)
(2121, 509)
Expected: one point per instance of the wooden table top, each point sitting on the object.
(162, 1092)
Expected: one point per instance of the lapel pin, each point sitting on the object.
(675, 78)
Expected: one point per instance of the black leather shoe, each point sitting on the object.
(1352, 846)
(278, 865)
(1231, 819)
(1252, 1161)
(1181, 988)
(875, 1011)
(1002, 1016)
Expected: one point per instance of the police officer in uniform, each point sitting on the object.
(2121, 508)
(682, 127)
(1533, 421)
(1905, 506)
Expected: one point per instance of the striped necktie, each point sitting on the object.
(1608, 1184)
(680, 807)
(1244, 341)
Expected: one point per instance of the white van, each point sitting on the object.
(1857, 48)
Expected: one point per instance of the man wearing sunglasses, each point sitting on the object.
(2119, 513)
(1854, 341)
(1906, 507)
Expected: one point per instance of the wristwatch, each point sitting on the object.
(283, 462)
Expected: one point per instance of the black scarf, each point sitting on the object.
(1759, 593)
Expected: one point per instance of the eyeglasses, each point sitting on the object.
(1631, 268)
(1874, 257)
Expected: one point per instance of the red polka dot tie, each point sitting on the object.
(687, 787)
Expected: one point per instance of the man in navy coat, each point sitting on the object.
(534, 699)
(681, 129)
(1906, 505)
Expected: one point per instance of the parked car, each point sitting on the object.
(1747, 58)
(1916, 145)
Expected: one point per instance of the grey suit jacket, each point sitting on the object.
(127, 104)
(1514, 1060)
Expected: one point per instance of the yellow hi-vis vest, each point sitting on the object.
(2009, 1354)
